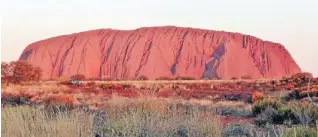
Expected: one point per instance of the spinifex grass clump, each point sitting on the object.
(34, 122)
(149, 117)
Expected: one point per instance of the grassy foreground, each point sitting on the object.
(145, 117)
(32, 122)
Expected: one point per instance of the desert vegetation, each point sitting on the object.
(178, 106)
(19, 71)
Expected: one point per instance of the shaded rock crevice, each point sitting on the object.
(64, 56)
(212, 66)
(178, 55)
(145, 55)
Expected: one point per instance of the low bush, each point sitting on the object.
(106, 86)
(91, 84)
(257, 96)
(14, 100)
(230, 111)
(303, 112)
(126, 86)
(300, 132)
(285, 112)
(273, 112)
(107, 79)
(246, 77)
(234, 78)
(205, 79)
(184, 78)
(142, 78)
(64, 81)
(261, 105)
(232, 97)
(269, 115)
(237, 130)
(78, 77)
(165, 78)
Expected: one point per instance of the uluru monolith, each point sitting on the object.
(160, 51)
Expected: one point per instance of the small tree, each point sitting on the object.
(6, 72)
(19, 71)
(37, 74)
(22, 71)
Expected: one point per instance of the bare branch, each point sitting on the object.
(308, 90)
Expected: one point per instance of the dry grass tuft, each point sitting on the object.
(33, 122)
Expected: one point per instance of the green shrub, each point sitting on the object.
(269, 115)
(237, 130)
(296, 112)
(303, 112)
(234, 111)
(261, 105)
(300, 132)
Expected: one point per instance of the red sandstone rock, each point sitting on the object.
(160, 51)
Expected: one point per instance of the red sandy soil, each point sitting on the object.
(241, 91)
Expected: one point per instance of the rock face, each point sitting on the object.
(160, 51)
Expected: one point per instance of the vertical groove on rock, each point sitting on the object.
(161, 55)
(82, 57)
(128, 55)
(195, 61)
(145, 56)
(127, 44)
(57, 56)
(177, 59)
(44, 50)
(103, 41)
(104, 57)
(64, 56)
(131, 48)
(84, 54)
(69, 68)
(170, 41)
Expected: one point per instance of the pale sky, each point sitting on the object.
(293, 23)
